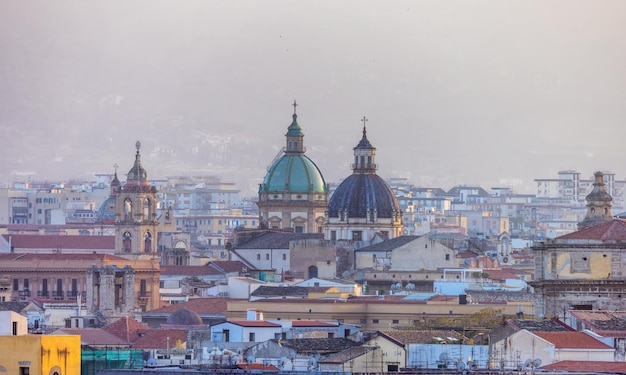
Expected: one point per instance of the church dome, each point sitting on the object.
(361, 193)
(184, 317)
(364, 194)
(293, 172)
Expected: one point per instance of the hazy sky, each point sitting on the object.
(456, 92)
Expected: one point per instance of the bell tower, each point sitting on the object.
(136, 214)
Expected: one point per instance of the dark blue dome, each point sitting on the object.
(362, 192)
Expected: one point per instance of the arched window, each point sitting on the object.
(147, 243)
(127, 242)
(312, 272)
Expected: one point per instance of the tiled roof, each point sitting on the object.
(257, 366)
(158, 339)
(281, 291)
(572, 340)
(319, 346)
(34, 257)
(273, 240)
(188, 271)
(347, 354)
(389, 245)
(201, 306)
(35, 241)
(606, 323)
(614, 230)
(253, 323)
(544, 325)
(586, 367)
(92, 336)
(128, 329)
(13, 306)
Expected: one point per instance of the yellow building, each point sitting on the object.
(40, 355)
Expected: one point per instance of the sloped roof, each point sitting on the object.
(158, 339)
(572, 340)
(321, 346)
(44, 241)
(280, 291)
(201, 306)
(13, 306)
(277, 240)
(256, 367)
(34, 257)
(605, 323)
(127, 329)
(92, 336)
(388, 245)
(544, 325)
(614, 230)
(347, 354)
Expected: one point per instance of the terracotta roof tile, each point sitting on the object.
(35, 241)
(614, 230)
(7, 257)
(257, 366)
(158, 339)
(572, 340)
(127, 329)
(201, 306)
(93, 336)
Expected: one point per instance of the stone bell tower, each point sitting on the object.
(136, 215)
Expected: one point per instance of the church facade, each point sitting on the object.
(583, 270)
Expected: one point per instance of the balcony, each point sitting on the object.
(43, 293)
(74, 293)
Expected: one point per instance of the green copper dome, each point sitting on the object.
(293, 173)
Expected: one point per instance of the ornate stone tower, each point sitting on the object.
(598, 204)
(293, 193)
(136, 217)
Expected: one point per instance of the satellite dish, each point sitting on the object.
(527, 363)
(443, 356)
(250, 359)
(474, 365)
(234, 360)
(537, 362)
(460, 365)
(283, 361)
(151, 362)
(502, 364)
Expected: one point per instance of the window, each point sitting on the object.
(363, 321)
(26, 284)
(15, 284)
(251, 337)
(14, 328)
(395, 321)
(375, 321)
(357, 235)
(299, 229)
(333, 235)
(331, 335)
(258, 257)
(284, 256)
(447, 256)
(226, 335)
(267, 257)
